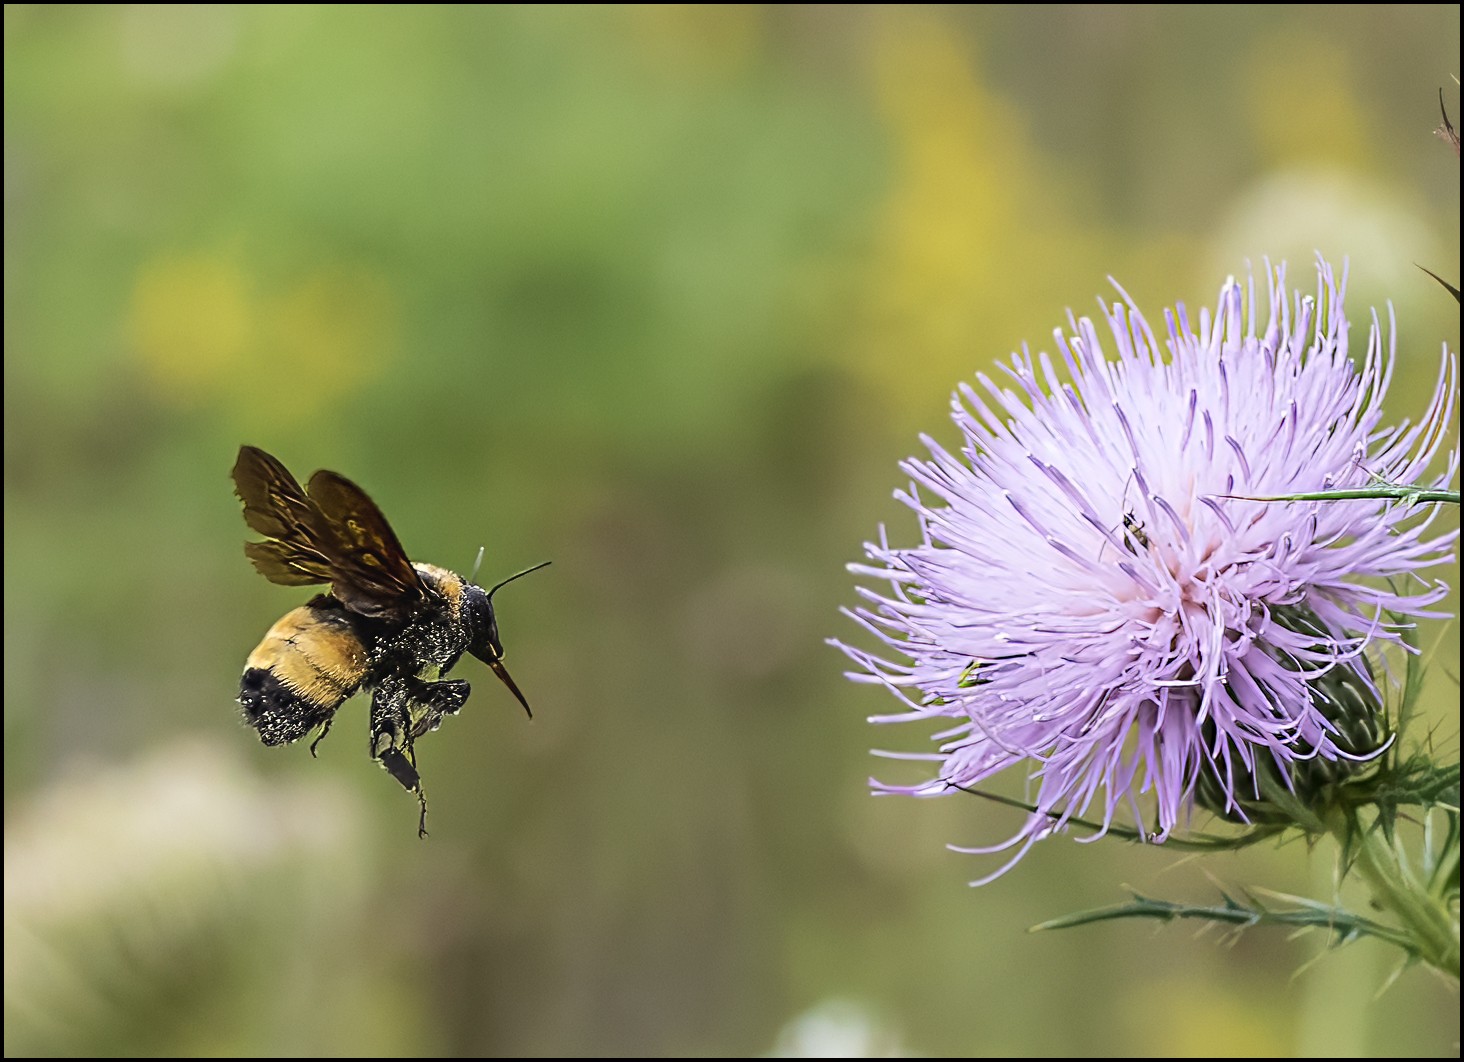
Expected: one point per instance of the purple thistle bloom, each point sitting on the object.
(1093, 599)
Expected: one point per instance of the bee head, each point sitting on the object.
(483, 640)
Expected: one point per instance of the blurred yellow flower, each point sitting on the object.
(191, 324)
(205, 332)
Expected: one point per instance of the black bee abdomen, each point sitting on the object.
(279, 713)
(255, 690)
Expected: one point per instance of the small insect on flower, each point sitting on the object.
(1134, 534)
(1099, 595)
(388, 625)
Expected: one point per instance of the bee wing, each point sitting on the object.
(276, 506)
(370, 572)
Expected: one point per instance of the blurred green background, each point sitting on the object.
(661, 294)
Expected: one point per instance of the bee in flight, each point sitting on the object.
(387, 625)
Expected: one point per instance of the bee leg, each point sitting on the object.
(437, 699)
(422, 818)
(401, 761)
(323, 731)
(391, 740)
(444, 697)
(405, 771)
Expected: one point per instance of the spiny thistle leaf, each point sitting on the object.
(1447, 130)
(1408, 494)
(1447, 286)
(1342, 926)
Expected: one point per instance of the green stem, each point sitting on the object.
(1431, 927)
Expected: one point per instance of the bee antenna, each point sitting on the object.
(516, 575)
(476, 565)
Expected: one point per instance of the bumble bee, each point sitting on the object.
(387, 625)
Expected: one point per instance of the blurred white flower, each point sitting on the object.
(129, 885)
(838, 1028)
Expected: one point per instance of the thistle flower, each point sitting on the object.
(1100, 596)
